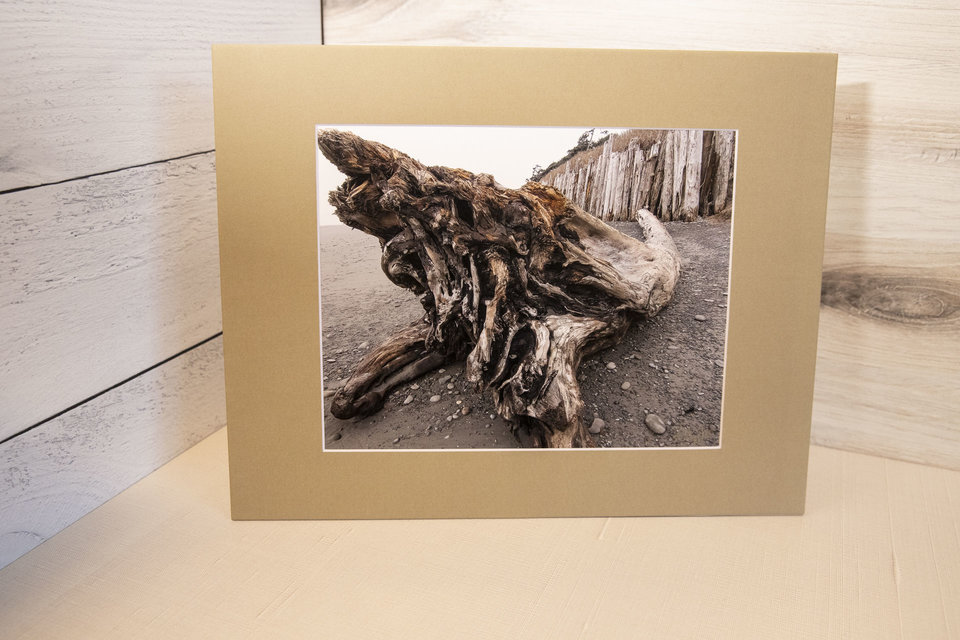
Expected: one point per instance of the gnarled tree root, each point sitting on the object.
(521, 282)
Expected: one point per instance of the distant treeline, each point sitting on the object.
(678, 174)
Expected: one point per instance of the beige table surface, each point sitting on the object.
(876, 556)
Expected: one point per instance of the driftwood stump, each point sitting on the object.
(520, 282)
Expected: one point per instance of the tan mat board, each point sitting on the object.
(876, 556)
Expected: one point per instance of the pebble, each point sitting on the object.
(625, 386)
(363, 345)
(655, 423)
(396, 440)
(449, 385)
(434, 398)
(597, 426)
(700, 318)
(414, 386)
(611, 365)
(443, 380)
(446, 437)
(672, 347)
(465, 411)
(449, 418)
(492, 416)
(408, 400)
(709, 300)
(651, 365)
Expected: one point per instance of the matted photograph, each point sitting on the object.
(491, 287)
(449, 291)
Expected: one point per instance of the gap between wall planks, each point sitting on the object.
(875, 557)
(64, 468)
(89, 87)
(110, 275)
(887, 365)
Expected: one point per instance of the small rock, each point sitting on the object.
(459, 401)
(414, 386)
(396, 440)
(363, 345)
(408, 400)
(449, 418)
(651, 365)
(672, 347)
(611, 365)
(625, 386)
(465, 411)
(709, 300)
(597, 426)
(446, 437)
(449, 385)
(443, 380)
(493, 416)
(700, 318)
(441, 370)
(434, 398)
(655, 423)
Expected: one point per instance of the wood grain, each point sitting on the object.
(61, 470)
(103, 277)
(92, 86)
(876, 556)
(887, 373)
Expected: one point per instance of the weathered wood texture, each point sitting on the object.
(893, 197)
(875, 557)
(521, 283)
(90, 86)
(676, 174)
(61, 470)
(103, 277)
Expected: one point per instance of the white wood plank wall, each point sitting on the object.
(108, 244)
(102, 277)
(888, 373)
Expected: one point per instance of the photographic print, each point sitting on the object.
(451, 292)
(523, 287)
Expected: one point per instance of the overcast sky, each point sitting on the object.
(509, 153)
